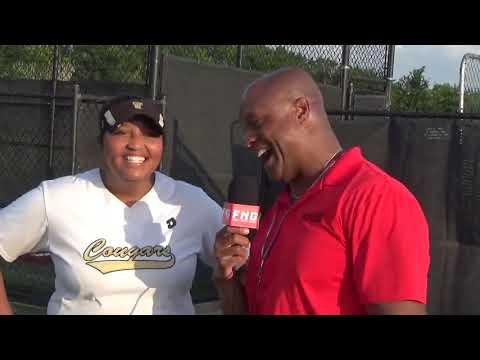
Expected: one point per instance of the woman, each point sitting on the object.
(124, 238)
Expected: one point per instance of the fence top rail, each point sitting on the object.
(95, 98)
(33, 95)
(470, 56)
(435, 115)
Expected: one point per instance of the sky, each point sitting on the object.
(442, 62)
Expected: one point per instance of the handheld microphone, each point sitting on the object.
(242, 209)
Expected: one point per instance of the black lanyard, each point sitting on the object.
(267, 245)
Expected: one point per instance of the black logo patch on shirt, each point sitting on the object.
(171, 223)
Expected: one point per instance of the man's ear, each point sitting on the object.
(302, 109)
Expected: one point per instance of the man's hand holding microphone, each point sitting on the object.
(232, 246)
(232, 250)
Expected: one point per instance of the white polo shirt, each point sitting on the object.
(110, 258)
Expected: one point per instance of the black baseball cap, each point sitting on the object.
(121, 109)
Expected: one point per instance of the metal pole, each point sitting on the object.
(389, 76)
(345, 75)
(76, 99)
(169, 138)
(350, 98)
(153, 80)
(52, 110)
(239, 56)
(461, 83)
(412, 115)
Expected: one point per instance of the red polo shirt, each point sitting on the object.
(357, 237)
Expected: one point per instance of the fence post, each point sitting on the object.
(153, 73)
(76, 99)
(350, 97)
(389, 77)
(239, 56)
(345, 76)
(52, 110)
(475, 61)
(169, 139)
(461, 85)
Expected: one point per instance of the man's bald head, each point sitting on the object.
(286, 84)
(285, 123)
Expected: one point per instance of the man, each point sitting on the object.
(343, 237)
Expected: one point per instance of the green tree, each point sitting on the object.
(443, 98)
(210, 54)
(26, 62)
(263, 58)
(118, 63)
(127, 63)
(410, 92)
(472, 102)
(122, 63)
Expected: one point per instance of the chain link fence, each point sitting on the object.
(129, 63)
(32, 62)
(470, 84)
(88, 131)
(369, 66)
(62, 140)
(368, 62)
(24, 146)
(322, 61)
(117, 63)
(210, 54)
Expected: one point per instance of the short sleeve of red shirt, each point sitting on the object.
(387, 235)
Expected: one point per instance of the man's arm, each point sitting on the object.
(398, 308)
(390, 246)
(232, 295)
(5, 307)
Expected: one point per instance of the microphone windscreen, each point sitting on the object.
(244, 190)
